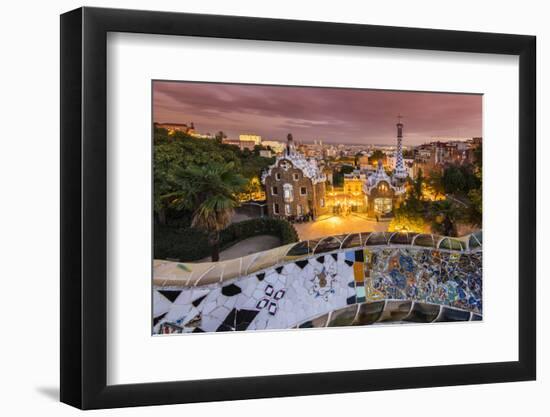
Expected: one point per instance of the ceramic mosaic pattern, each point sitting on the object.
(277, 298)
(289, 295)
(438, 277)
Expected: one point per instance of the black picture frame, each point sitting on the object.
(84, 207)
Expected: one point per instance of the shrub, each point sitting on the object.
(181, 243)
(403, 222)
(261, 226)
(187, 244)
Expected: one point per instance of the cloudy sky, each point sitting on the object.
(330, 114)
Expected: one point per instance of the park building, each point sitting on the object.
(372, 191)
(384, 192)
(241, 144)
(256, 139)
(436, 155)
(350, 198)
(295, 185)
(172, 128)
(275, 145)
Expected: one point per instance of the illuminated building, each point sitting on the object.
(294, 185)
(385, 192)
(251, 138)
(275, 145)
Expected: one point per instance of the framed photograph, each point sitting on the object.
(257, 208)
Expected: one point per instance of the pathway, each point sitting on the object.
(248, 246)
(338, 225)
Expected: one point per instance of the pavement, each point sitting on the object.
(240, 217)
(248, 246)
(327, 225)
(337, 225)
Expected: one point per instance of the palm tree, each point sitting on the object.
(210, 192)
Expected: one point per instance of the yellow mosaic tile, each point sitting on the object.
(358, 271)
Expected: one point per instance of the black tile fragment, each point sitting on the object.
(231, 290)
(198, 301)
(229, 322)
(302, 264)
(158, 318)
(224, 328)
(170, 294)
(244, 318)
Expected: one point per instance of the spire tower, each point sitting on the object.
(289, 144)
(400, 171)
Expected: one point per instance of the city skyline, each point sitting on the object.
(333, 115)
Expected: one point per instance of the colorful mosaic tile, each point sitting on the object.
(409, 284)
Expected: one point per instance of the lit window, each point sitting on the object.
(382, 205)
(322, 202)
(303, 190)
(288, 193)
(299, 210)
(274, 191)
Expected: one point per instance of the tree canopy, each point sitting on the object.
(178, 151)
(376, 156)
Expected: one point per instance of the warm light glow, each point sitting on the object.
(335, 220)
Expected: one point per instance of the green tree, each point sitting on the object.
(445, 216)
(356, 158)
(417, 185)
(210, 192)
(407, 221)
(220, 136)
(460, 179)
(338, 175)
(478, 156)
(435, 183)
(376, 155)
(475, 209)
(453, 179)
(408, 154)
(253, 186)
(171, 152)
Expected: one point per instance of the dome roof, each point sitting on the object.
(309, 168)
(378, 176)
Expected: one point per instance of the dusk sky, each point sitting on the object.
(333, 115)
